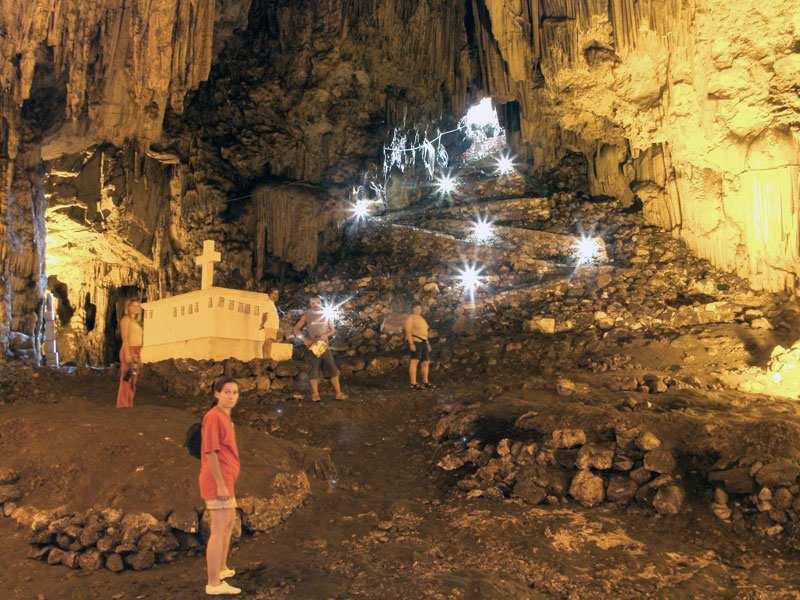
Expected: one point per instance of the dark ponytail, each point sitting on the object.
(220, 383)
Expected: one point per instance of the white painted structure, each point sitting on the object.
(212, 323)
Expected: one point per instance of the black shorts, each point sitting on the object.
(421, 353)
(324, 365)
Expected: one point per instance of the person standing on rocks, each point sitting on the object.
(416, 334)
(319, 358)
(270, 323)
(219, 470)
(131, 352)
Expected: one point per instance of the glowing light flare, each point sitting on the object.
(482, 230)
(505, 165)
(470, 276)
(331, 311)
(587, 250)
(480, 116)
(360, 210)
(446, 184)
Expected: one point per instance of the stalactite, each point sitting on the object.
(293, 216)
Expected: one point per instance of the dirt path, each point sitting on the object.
(389, 527)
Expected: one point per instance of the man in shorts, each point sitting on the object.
(318, 329)
(416, 329)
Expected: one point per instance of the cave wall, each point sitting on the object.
(193, 119)
(692, 105)
(74, 73)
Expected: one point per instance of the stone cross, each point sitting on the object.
(206, 260)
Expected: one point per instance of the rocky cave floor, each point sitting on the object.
(393, 525)
(597, 431)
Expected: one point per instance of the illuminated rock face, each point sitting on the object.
(73, 73)
(694, 108)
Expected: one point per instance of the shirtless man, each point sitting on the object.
(270, 323)
(416, 334)
(318, 328)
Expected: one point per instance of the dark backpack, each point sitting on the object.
(194, 439)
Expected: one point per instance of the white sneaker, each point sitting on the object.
(223, 589)
(227, 573)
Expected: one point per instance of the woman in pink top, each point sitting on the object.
(219, 469)
(130, 353)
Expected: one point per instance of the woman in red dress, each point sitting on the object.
(219, 469)
(130, 353)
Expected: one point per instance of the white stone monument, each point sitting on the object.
(211, 323)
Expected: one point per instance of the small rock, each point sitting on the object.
(565, 387)
(595, 456)
(569, 438)
(450, 462)
(545, 325)
(603, 321)
(114, 563)
(621, 489)
(8, 476)
(183, 520)
(669, 500)
(9, 493)
(587, 488)
(660, 460)
(92, 560)
(623, 463)
(141, 561)
(722, 511)
(781, 473)
(647, 441)
(736, 480)
(641, 475)
(529, 490)
(760, 323)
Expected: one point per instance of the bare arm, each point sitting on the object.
(407, 330)
(216, 471)
(124, 329)
(298, 329)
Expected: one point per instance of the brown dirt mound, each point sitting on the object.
(80, 455)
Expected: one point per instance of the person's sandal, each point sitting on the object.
(428, 386)
(315, 398)
(415, 386)
(223, 589)
(342, 396)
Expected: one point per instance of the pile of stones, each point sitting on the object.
(191, 377)
(765, 495)
(115, 540)
(635, 467)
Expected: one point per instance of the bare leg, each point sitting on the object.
(215, 545)
(337, 387)
(425, 369)
(226, 539)
(314, 388)
(412, 371)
